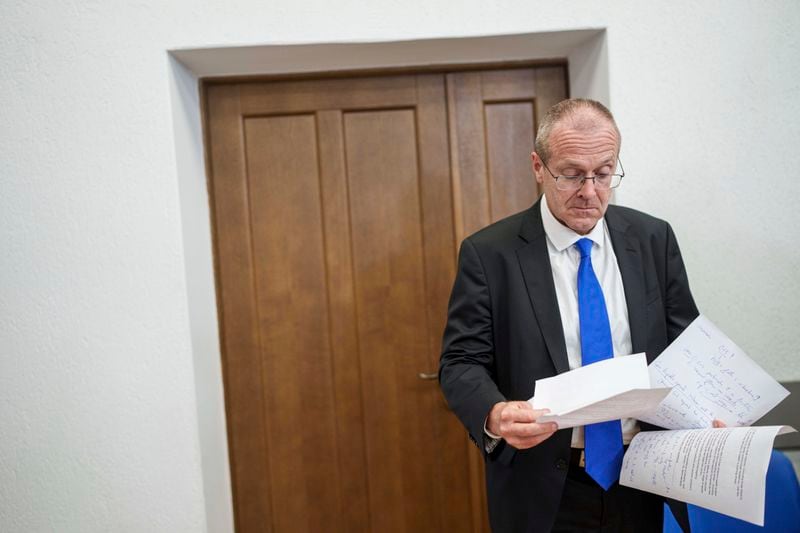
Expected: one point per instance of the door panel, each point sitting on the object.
(509, 141)
(347, 374)
(390, 292)
(337, 206)
(288, 255)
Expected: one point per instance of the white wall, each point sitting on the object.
(107, 342)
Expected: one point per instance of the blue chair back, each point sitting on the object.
(781, 513)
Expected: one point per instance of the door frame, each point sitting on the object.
(585, 52)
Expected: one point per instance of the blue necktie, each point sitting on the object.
(603, 441)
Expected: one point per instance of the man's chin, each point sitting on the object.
(582, 225)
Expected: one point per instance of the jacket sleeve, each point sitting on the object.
(467, 360)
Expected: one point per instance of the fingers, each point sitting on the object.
(719, 424)
(518, 426)
(520, 412)
(530, 442)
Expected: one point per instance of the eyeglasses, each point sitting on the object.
(601, 181)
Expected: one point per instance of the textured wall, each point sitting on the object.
(97, 394)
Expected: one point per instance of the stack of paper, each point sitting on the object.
(700, 377)
(608, 390)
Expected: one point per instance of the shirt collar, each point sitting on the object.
(563, 237)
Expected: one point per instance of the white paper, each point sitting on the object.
(629, 404)
(724, 470)
(711, 378)
(605, 382)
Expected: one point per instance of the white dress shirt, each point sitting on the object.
(564, 261)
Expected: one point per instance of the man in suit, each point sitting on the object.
(517, 315)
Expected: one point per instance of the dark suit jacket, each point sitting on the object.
(504, 332)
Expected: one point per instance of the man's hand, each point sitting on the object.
(718, 424)
(516, 423)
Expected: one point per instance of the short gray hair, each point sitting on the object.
(571, 109)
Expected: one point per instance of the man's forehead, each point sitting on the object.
(602, 159)
(599, 143)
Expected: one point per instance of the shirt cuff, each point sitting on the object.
(489, 433)
(490, 440)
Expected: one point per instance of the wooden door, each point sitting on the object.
(337, 208)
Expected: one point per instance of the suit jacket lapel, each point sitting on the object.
(629, 258)
(534, 261)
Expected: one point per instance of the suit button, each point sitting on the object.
(561, 464)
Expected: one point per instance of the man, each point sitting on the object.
(567, 282)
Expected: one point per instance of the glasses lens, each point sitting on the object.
(603, 181)
(573, 183)
(569, 183)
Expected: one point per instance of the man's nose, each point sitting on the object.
(587, 189)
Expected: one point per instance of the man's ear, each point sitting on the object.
(538, 167)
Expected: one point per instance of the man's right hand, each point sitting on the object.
(516, 423)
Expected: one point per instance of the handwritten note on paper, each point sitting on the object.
(724, 470)
(711, 377)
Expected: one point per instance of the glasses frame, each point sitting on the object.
(584, 178)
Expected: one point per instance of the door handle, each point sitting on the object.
(431, 376)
